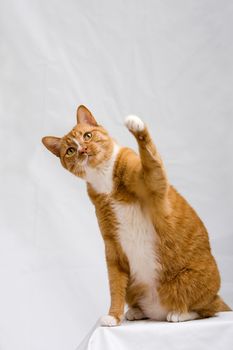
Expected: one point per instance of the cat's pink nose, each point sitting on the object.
(83, 150)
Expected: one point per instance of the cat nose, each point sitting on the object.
(83, 150)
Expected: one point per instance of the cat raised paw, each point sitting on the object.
(108, 321)
(134, 124)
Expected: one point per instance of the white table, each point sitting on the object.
(214, 333)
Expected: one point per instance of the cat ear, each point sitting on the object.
(85, 116)
(53, 144)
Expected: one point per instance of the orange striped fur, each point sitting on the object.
(157, 248)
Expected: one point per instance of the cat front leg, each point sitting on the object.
(153, 170)
(118, 281)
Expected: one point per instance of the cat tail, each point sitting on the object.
(216, 305)
(222, 306)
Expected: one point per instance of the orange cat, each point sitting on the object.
(157, 248)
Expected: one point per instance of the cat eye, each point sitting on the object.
(70, 151)
(87, 136)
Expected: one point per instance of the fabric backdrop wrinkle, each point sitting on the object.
(168, 62)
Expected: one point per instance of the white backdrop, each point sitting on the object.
(170, 62)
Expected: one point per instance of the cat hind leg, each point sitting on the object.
(134, 313)
(175, 316)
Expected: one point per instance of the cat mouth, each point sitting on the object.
(84, 158)
(84, 155)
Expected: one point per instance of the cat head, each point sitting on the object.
(87, 144)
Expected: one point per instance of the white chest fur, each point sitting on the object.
(138, 239)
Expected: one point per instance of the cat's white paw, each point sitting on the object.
(108, 321)
(174, 316)
(134, 314)
(134, 124)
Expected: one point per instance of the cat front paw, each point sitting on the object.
(134, 124)
(109, 321)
